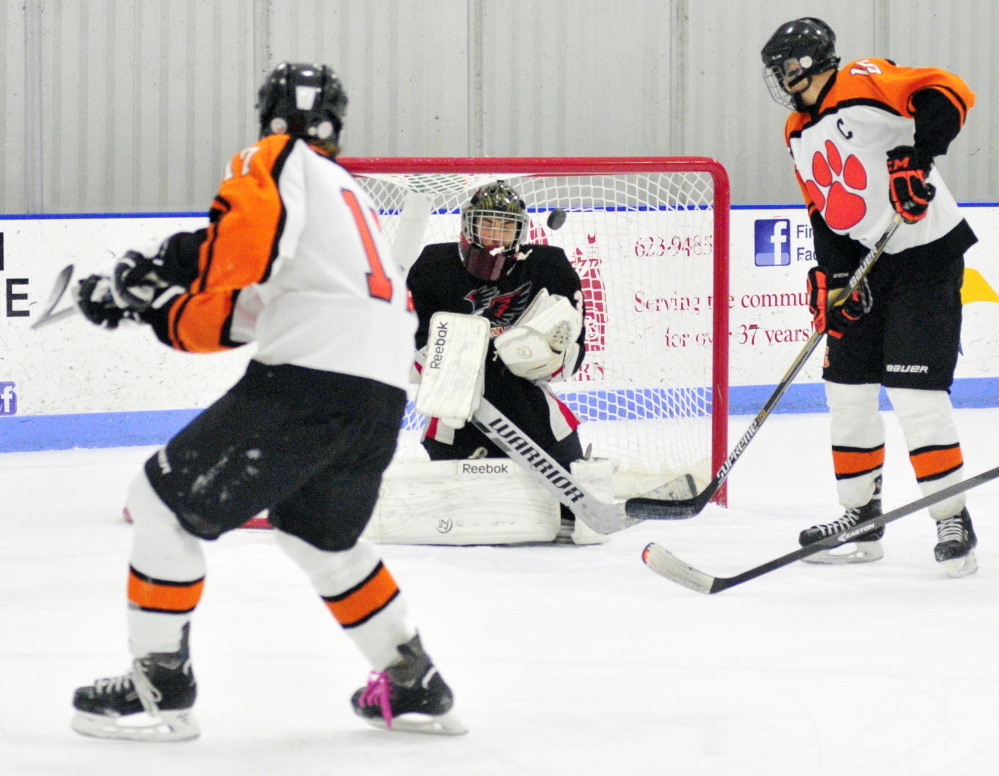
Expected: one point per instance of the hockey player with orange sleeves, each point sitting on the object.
(293, 259)
(863, 139)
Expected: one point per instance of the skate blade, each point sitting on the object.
(852, 552)
(442, 725)
(168, 726)
(961, 567)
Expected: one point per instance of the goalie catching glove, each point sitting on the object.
(824, 290)
(543, 345)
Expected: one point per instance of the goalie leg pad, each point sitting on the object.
(462, 502)
(597, 477)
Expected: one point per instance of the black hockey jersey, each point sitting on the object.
(439, 282)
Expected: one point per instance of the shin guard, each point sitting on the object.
(927, 420)
(166, 573)
(360, 593)
(858, 441)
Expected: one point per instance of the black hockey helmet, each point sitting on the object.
(493, 225)
(302, 100)
(798, 50)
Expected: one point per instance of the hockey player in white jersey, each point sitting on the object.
(864, 138)
(293, 259)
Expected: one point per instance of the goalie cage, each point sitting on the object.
(649, 238)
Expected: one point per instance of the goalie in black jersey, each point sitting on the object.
(493, 272)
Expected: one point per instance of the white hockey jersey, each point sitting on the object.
(295, 259)
(840, 150)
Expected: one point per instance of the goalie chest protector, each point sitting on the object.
(439, 283)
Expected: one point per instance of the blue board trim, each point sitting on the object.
(28, 433)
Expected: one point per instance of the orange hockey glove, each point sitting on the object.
(833, 320)
(907, 187)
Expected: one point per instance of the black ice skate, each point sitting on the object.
(410, 696)
(865, 551)
(956, 542)
(152, 702)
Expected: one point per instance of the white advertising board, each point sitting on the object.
(72, 384)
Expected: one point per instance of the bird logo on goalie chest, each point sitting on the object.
(501, 309)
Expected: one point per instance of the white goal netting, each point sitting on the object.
(643, 239)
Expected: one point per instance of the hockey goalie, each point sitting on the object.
(501, 318)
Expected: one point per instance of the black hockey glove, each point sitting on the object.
(93, 297)
(832, 320)
(138, 285)
(908, 190)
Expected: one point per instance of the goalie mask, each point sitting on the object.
(493, 224)
(796, 52)
(302, 100)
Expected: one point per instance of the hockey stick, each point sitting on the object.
(666, 564)
(601, 516)
(55, 295)
(693, 506)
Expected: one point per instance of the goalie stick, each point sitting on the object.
(666, 564)
(47, 315)
(602, 517)
(694, 506)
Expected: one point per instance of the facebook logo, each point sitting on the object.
(773, 242)
(8, 399)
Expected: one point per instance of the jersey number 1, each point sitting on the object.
(379, 284)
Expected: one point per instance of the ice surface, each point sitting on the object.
(565, 660)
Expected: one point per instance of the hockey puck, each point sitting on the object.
(556, 218)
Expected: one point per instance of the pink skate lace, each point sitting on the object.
(378, 691)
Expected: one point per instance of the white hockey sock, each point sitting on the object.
(360, 593)
(927, 420)
(858, 440)
(167, 571)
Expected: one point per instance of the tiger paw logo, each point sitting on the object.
(833, 186)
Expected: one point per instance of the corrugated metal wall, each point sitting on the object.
(131, 105)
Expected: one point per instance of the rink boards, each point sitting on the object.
(73, 385)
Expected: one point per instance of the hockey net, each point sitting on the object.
(649, 239)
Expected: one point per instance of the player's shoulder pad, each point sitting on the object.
(435, 259)
(884, 81)
(796, 121)
(438, 254)
(259, 158)
(556, 271)
(545, 253)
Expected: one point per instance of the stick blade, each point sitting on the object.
(643, 508)
(58, 289)
(666, 564)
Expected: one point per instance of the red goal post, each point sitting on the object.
(649, 237)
